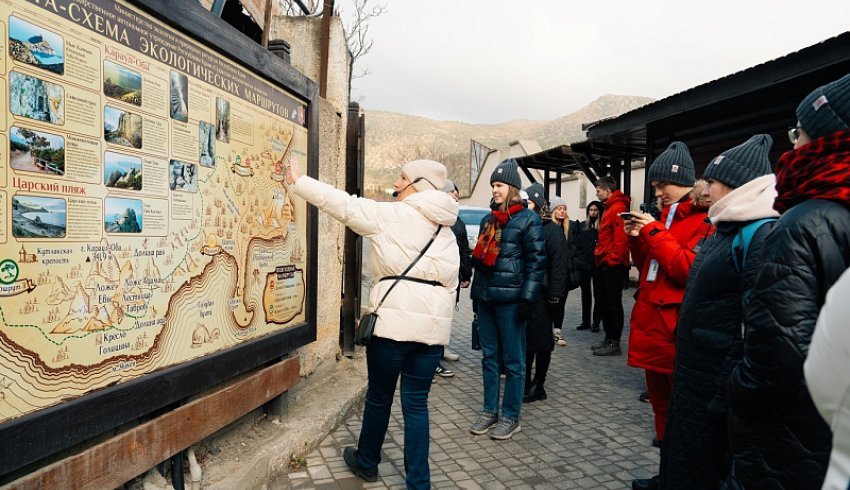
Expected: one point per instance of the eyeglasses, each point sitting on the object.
(794, 134)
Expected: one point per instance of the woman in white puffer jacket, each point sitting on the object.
(414, 321)
(827, 371)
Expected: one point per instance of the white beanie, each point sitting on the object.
(430, 174)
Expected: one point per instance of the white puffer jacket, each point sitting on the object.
(413, 311)
(827, 371)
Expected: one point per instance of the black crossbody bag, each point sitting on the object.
(366, 327)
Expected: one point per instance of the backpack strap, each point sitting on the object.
(741, 242)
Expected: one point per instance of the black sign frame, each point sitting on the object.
(33, 440)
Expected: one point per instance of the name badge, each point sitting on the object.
(652, 273)
(699, 244)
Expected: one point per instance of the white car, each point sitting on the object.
(472, 217)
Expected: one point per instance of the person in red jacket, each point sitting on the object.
(612, 262)
(663, 251)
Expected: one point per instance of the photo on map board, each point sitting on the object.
(183, 176)
(122, 171)
(122, 127)
(179, 107)
(121, 83)
(38, 217)
(206, 142)
(36, 99)
(36, 151)
(36, 46)
(222, 120)
(122, 215)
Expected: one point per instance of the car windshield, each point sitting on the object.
(473, 216)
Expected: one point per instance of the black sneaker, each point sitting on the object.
(594, 328)
(441, 371)
(583, 326)
(612, 349)
(600, 345)
(350, 457)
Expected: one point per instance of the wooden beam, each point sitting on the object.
(117, 460)
(327, 12)
(267, 23)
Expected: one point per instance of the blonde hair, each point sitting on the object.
(564, 224)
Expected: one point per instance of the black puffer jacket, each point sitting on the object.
(520, 267)
(538, 330)
(778, 438)
(709, 343)
(585, 245)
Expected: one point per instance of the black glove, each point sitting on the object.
(523, 308)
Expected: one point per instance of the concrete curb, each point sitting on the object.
(256, 450)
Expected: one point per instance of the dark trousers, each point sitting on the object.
(590, 298)
(612, 281)
(556, 311)
(415, 362)
(542, 359)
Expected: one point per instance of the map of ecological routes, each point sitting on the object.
(146, 220)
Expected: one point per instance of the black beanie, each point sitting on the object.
(827, 109)
(536, 194)
(743, 163)
(674, 165)
(507, 172)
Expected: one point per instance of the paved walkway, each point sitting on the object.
(592, 432)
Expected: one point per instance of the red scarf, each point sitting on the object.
(489, 241)
(818, 170)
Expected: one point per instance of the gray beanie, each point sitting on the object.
(449, 186)
(536, 194)
(674, 165)
(507, 172)
(743, 163)
(425, 174)
(557, 201)
(826, 109)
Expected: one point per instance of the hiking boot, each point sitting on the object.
(350, 457)
(534, 392)
(450, 356)
(612, 349)
(505, 429)
(600, 345)
(484, 423)
(441, 371)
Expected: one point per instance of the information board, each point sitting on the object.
(146, 220)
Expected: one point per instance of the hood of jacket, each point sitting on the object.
(437, 206)
(751, 201)
(618, 196)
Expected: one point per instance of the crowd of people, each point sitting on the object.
(749, 388)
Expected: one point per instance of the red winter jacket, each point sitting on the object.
(652, 337)
(612, 246)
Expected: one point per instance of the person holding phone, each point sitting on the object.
(663, 251)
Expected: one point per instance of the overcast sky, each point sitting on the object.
(490, 61)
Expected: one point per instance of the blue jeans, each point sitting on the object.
(502, 343)
(415, 362)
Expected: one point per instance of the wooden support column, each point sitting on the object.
(327, 12)
(627, 175)
(117, 460)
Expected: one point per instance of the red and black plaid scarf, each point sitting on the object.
(489, 241)
(818, 170)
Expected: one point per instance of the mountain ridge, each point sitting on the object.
(394, 138)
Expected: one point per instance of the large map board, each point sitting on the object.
(146, 221)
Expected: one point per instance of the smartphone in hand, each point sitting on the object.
(625, 216)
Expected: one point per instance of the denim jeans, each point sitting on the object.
(387, 359)
(502, 343)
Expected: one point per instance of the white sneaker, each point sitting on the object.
(450, 356)
(559, 339)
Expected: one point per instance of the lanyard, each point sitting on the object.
(652, 273)
(671, 214)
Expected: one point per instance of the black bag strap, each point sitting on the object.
(401, 276)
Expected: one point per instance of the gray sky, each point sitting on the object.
(489, 61)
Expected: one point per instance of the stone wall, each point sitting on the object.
(304, 36)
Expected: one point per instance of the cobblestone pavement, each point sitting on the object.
(591, 432)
